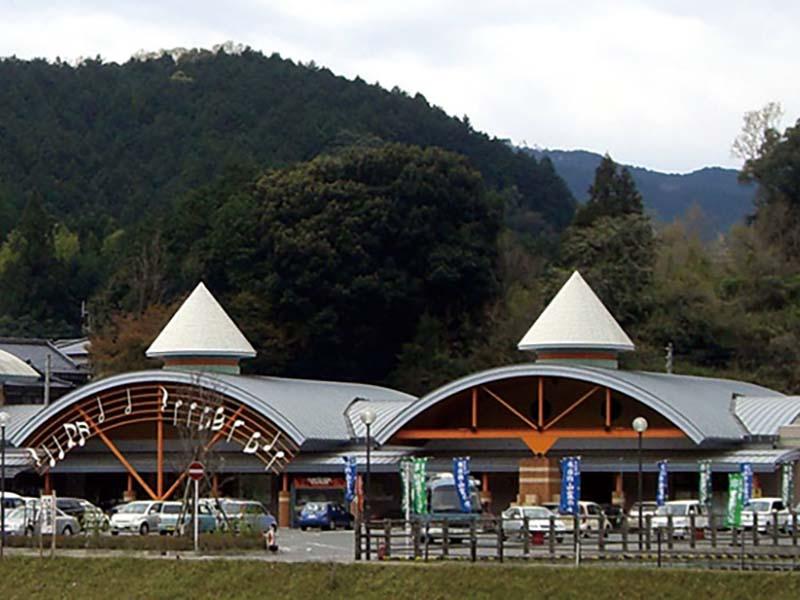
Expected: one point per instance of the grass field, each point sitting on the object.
(90, 578)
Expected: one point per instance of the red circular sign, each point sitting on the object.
(196, 470)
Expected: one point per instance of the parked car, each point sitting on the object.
(12, 500)
(136, 517)
(765, 510)
(325, 515)
(171, 513)
(681, 512)
(614, 514)
(23, 521)
(248, 515)
(538, 521)
(590, 517)
(71, 507)
(94, 519)
(646, 508)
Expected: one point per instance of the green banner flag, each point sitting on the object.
(418, 493)
(733, 515)
(705, 482)
(787, 484)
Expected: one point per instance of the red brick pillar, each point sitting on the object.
(486, 493)
(284, 499)
(539, 480)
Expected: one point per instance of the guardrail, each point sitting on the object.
(693, 541)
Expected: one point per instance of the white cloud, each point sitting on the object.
(661, 84)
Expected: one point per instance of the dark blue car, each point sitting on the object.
(325, 515)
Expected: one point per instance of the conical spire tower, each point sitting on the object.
(576, 327)
(201, 336)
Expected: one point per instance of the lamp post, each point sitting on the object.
(368, 418)
(639, 426)
(3, 422)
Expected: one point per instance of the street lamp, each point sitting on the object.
(640, 426)
(367, 418)
(3, 422)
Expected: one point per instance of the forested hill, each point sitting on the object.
(105, 143)
(723, 200)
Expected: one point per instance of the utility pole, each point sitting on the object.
(670, 357)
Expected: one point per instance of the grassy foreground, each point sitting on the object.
(161, 578)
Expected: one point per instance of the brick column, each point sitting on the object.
(284, 501)
(539, 480)
(486, 493)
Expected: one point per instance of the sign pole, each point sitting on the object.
(196, 511)
(55, 526)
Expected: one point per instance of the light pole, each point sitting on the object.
(3, 422)
(640, 426)
(368, 418)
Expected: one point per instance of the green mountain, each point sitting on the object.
(105, 144)
(723, 200)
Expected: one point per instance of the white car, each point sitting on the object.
(12, 500)
(591, 517)
(538, 521)
(140, 517)
(681, 512)
(23, 521)
(765, 510)
(646, 508)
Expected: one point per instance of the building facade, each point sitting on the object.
(283, 441)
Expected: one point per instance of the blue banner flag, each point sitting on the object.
(570, 485)
(746, 469)
(350, 469)
(662, 492)
(461, 478)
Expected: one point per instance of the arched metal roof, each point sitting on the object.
(699, 406)
(220, 384)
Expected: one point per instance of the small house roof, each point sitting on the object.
(576, 318)
(201, 327)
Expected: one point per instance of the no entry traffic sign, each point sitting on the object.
(196, 470)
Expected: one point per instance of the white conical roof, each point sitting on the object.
(201, 327)
(576, 318)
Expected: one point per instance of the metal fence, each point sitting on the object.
(703, 542)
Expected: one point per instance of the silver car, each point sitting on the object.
(140, 517)
(248, 515)
(23, 521)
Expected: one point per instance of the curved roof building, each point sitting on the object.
(286, 439)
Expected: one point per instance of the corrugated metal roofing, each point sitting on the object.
(700, 406)
(317, 408)
(18, 415)
(385, 410)
(576, 318)
(305, 409)
(201, 327)
(13, 366)
(763, 460)
(765, 416)
(35, 351)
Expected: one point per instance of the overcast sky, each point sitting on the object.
(662, 84)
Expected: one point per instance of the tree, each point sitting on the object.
(612, 194)
(759, 130)
(344, 254)
(611, 242)
(120, 344)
